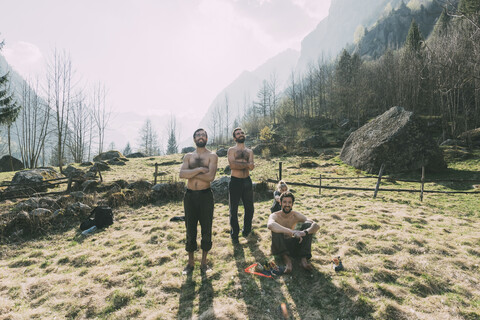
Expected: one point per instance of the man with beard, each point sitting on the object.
(286, 240)
(199, 167)
(240, 159)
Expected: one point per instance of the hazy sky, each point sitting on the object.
(156, 57)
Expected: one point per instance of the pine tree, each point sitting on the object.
(414, 40)
(172, 146)
(9, 110)
(441, 27)
(127, 150)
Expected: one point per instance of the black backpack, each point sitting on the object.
(101, 216)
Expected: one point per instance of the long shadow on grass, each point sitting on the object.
(206, 297)
(187, 295)
(258, 299)
(444, 177)
(316, 297)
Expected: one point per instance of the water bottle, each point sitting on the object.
(89, 231)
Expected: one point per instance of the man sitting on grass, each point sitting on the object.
(288, 242)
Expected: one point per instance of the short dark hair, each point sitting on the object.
(287, 194)
(199, 129)
(236, 129)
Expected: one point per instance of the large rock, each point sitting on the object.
(188, 149)
(108, 155)
(34, 179)
(471, 136)
(136, 155)
(73, 172)
(6, 164)
(395, 138)
(220, 188)
(222, 152)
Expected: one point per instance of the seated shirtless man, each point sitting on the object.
(288, 242)
(199, 167)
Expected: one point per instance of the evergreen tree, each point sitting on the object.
(414, 38)
(9, 110)
(127, 150)
(441, 27)
(172, 146)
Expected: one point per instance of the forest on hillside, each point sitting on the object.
(437, 77)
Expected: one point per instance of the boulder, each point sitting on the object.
(86, 164)
(116, 162)
(395, 138)
(40, 213)
(140, 185)
(136, 155)
(78, 208)
(471, 136)
(168, 191)
(222, 152)
(452, 142)
(308, 164)
(227, 170)
(89, 185)
(188, 149)
(33, 179)
(100, 166)
(220, 188)
(27, 205)
(73, 172)
(6, 164)
(78, 195)
(108, 155)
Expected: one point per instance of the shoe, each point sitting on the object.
(188, 270)
(337, 263)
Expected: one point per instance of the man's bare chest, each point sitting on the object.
(198, 162)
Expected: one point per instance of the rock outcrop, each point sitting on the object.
(6, 163)
(395, 138)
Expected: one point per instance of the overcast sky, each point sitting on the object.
(156, 57)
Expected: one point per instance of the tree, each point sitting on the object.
(149, 139)
(77, 142)
(414, 40)
(32, 125)
(9, 110)
(58, 92)
(127, 150)
(172, 146)
(101, 115)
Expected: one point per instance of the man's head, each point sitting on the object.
(200, 137)
(238, 135)
(286, 200)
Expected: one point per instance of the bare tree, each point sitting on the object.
(78, 129)
(101, 115)
(58, 92)
(32, 125)
(149, 139)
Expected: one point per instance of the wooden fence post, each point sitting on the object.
(280, 170)
(320, 185)
(100, 174)
(156, 171)
(69, 186)
(423, 182)
(379, 180)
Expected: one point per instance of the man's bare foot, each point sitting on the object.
(288, 264)
(205, 268)
(188, 269)
(305, 264)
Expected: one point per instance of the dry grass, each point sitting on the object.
(404, 259)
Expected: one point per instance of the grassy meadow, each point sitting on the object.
(403, 258)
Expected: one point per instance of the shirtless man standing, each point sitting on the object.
(240, 159)
(288, 242)
(199, 167)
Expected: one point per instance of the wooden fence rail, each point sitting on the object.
(377, 188)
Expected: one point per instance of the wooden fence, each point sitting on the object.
(377, 188)
(25, 191)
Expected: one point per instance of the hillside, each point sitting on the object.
(404, 259)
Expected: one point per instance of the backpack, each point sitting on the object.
(101, 216)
